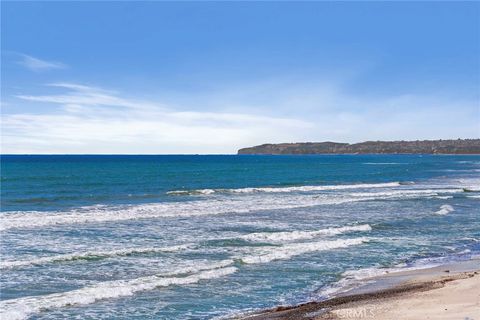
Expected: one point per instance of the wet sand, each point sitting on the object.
(445, 292)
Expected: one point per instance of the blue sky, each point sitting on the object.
(212, 77)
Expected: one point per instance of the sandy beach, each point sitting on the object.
(444, 292)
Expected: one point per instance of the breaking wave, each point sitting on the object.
(102, 214)
(300, 235)
(445, 209)
(287, 189)
(383, 163)
(21, 308)
(89, 255)
(290, 250)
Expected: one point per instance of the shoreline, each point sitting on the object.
(449, 291)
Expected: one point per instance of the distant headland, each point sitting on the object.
(459, 146)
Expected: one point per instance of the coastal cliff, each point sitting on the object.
(459, 146)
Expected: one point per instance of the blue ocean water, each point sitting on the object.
(202, 237)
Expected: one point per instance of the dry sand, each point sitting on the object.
(445, 292)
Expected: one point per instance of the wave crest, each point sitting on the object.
(286, 189)
(88, 256)
(295, 249)
(445, 209)
(102, 214)
(21, 308)
(300, 235)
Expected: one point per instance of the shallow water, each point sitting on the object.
(199, 237)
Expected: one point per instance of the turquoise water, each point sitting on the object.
(202, 237)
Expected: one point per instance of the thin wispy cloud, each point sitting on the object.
(295, 74)
(92, 120)
(88, 96)
(89, 119)
(38, 65)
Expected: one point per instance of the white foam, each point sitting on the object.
(470, 184)
(474, 197)
(468, 161)
(419, 264)
(289, 189)
(97, 214)
(222, 205)
(299, 235)
(443, 197)
(445, 209)
(383, 163)
(21, 308)
(406, 193)
(187, 192)
(352, 279)
(87, 255)
(290, 250)
(197, 266)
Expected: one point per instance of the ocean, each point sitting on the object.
(208, 237)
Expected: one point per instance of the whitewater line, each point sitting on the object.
(256, 236)
(88, 255)
(95, 214)
(301, 235)
(287, 189)
(22, 308)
